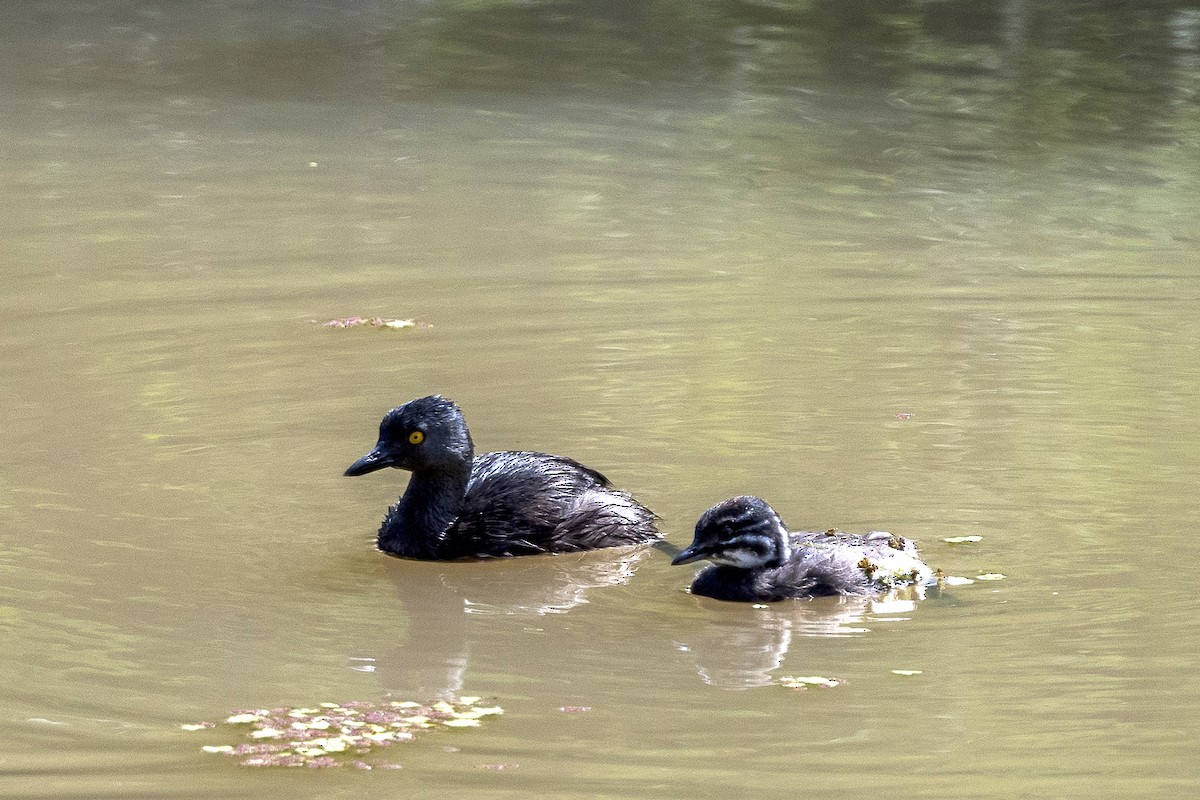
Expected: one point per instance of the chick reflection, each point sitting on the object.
(740, 647)
(445, 606)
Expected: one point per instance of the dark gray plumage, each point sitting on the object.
(507, 503)
(756, 559)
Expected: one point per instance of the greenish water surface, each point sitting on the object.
(922, 267)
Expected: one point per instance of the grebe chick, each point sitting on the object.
(756, 559)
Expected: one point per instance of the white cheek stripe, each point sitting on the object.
(740, 557)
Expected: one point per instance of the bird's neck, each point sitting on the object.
(780, 552)
(417, 526)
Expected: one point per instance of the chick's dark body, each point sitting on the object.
(756, 559)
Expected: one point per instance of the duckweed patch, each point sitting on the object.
(374, 322)
(796, 682)
(337, 734)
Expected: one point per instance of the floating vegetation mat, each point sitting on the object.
(374, 322)
(794, 682)
(959, 580)
(336, 734)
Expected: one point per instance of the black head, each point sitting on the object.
(740, 532)
(428, 433)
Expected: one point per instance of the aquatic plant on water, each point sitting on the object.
(374, 322)
(338, 734)
(803, 682)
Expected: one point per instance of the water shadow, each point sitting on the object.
(742, 648)
(443, 603)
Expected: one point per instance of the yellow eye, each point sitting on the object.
(416, 437)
